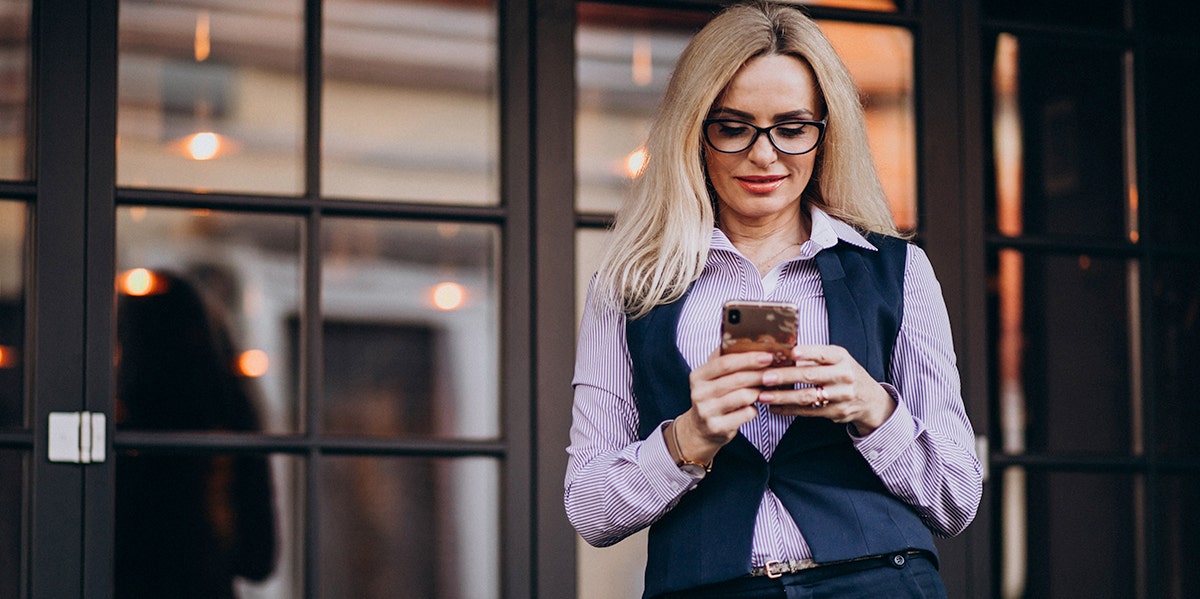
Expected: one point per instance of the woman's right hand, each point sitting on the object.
(724, 390)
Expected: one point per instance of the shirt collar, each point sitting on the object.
(826, 232)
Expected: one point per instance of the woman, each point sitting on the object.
(760, 186)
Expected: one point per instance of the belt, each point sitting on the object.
(776, 569)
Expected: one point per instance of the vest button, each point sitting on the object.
(898, 560)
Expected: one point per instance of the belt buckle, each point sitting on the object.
(772, 572)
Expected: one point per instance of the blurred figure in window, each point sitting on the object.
(186, 524)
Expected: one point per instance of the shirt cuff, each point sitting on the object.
(664, 476)
(884, 445)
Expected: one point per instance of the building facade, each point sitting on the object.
(390, 211)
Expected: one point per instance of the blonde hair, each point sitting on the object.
(662, 232)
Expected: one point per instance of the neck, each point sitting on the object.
(768, 244)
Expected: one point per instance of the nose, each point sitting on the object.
(762, 152)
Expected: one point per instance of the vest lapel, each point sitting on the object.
(845, 318)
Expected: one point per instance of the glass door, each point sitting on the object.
(268, 265)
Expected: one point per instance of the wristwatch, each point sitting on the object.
(694, 469)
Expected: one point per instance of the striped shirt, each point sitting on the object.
(617, 484)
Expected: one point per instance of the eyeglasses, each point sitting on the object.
(790, 137)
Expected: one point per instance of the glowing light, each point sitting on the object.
(203, 42)
(8, 356)
(203, 146)
(253, 363)
(139, 282)
(636, 162)
(449, 296)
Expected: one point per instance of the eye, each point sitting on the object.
(731, 129)
(791, 130)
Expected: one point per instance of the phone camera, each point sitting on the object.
(735, 316)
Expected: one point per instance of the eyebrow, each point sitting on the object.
(801, 114)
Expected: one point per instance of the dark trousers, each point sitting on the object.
(916, 579)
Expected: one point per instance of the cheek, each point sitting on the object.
(716, 167)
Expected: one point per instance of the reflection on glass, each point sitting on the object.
(589, 249)
(412, 527)
(1175, 337)
(880, 59)
(1057, 172)
(14, 97)
(1108, 14)
(211, 95)
(625, 57)
(204, 302)
(1179, 531)
(12, 520)
(410, 107)
(411, 328)
(1075, 522)
(876, 5)
(207, 525)
(1067, 397)
(12, 313)
(623, 61)
(1172, 141)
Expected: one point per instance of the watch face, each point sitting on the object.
(694, 470)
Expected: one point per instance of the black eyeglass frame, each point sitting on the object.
(820, 125)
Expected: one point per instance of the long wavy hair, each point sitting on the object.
(662, 232)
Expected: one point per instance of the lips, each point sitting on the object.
(760, 184)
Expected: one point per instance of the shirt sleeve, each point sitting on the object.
(616, 483)
(925, 452)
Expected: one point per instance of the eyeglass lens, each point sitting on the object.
(796, 137)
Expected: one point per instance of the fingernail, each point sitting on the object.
(766, 397)
(770, 378)
(765, 359)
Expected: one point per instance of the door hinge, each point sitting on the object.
(77, 437)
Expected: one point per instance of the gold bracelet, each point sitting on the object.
(683, 461)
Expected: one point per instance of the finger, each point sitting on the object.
(719, 365)
(819, 354)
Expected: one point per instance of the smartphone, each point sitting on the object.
(759, 326)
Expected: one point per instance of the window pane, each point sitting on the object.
(623, 60)
(1173, 143)
(875, 5)
(626, 55)
(1175, 337)
(411, 324)
(1058, 141)
(410, 107)
(1062, 325)
(1079, 13)
(12, 314)
(14, 94)
(12, 520)
(1172, 16)
(211, 96)
(1179, 534)
(204, 304)
(880, 59)
(589, 249)
(201, 525)
(1061, 533)
(428, 526)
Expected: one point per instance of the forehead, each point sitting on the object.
(770, 84)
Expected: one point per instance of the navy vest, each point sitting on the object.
(837, 501)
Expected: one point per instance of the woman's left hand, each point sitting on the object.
(833, 385)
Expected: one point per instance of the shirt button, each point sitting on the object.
(872, 454)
